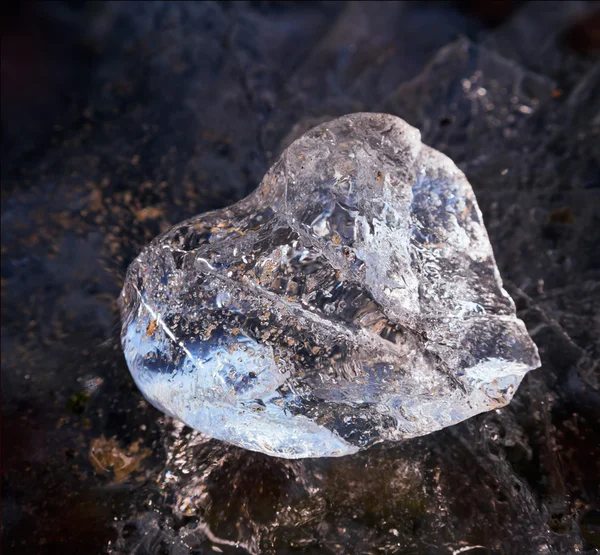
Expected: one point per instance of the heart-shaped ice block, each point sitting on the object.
(352, 298)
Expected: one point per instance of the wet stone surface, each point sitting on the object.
(136, 116)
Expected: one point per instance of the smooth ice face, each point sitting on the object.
(352, 298)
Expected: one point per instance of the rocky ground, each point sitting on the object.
(121, 119)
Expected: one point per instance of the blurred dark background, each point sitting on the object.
(120, 119)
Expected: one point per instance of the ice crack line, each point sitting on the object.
(166, 329)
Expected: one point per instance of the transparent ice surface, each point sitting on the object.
(353, 298)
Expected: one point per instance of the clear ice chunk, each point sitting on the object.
(353, 298)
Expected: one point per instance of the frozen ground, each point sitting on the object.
(120, 121)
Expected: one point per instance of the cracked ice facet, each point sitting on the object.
(352, 298)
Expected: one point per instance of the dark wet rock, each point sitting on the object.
(139, 147)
